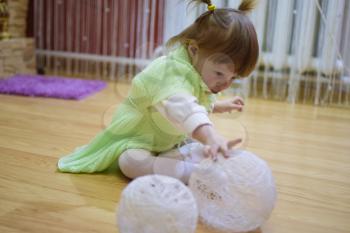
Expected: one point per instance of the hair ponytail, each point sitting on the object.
(247, 6)
(208, 2)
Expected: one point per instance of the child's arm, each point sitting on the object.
(236, 103)
(184, 112)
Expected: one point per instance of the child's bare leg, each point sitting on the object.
(179, 162)
(136, 162)
(173, 167)
(192, 152)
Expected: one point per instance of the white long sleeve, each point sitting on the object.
(184, 112)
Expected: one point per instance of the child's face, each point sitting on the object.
(217, 76)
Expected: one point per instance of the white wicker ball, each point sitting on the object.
(157, 204)
(235, 194)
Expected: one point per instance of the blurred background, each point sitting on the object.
(304, 44)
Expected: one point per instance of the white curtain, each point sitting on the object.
(303, 49)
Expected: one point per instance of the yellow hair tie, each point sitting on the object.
(211, 7)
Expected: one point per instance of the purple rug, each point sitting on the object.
(50, 86)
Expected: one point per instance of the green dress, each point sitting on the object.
(136, 124)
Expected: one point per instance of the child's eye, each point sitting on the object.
(218, 73)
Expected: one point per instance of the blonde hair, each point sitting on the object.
(224, 31)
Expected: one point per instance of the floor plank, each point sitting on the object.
(307, 147)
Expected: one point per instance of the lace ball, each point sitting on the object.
(157, 204)
(235, 194)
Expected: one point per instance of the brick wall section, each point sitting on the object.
(17, 56)
(18, 16)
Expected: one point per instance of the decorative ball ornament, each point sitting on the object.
(236, 194)
(157, 204)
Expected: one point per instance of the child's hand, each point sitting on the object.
(214, 142)
(236, 103)
(221, 145)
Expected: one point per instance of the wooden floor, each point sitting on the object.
(308, 149)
